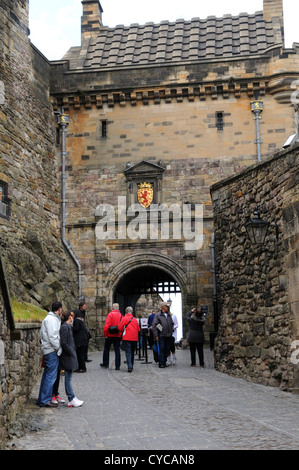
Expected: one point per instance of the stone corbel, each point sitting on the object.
(77, 102)
(122, 99)
(237, 90)
(110, 100)
(191, 94)
(250, 90)
(99, 101)
(133, 98)
(168, 96)
(145, 98)
(65, 103)
(88, 102)
(157, 97)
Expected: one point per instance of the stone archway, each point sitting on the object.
(146, 267)
(143, 280)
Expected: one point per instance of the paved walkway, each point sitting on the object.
(178, 408)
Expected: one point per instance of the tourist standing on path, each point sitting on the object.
(68, 359)
(129, 328)
(81, 340)
(51, 349)
(162, 330)
(82, 310)
(195, 337)
(150, 330)
(172, 355)
(113, 319)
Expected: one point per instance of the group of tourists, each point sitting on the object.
(64, 343)
(123, 333)
(64, 340)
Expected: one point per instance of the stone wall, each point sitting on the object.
(38, 268)
(20, 366)
(258, 285)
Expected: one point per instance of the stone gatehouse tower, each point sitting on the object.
(171, 105)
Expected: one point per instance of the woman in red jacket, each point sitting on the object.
(130, 328)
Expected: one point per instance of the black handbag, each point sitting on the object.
(113, 330)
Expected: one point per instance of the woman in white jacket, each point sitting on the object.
(51, 349)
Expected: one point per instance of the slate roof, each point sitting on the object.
(168, 42)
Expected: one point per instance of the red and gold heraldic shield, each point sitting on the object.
(145, 194)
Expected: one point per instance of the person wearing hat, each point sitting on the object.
(163, 327)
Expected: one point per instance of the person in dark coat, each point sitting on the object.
(68, 358)
(81, 340)
(162, 332)
(82, 310)
(195, 337)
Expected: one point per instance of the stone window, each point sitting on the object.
(104, 128)
(4, 201)
(219, 120)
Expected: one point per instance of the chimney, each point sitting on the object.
(91, 20)
(273, 11)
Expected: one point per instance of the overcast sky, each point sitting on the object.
(55, 24)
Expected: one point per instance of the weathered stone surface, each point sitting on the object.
(30, 239)
(258, 285)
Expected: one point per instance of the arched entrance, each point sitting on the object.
(147, 273)
(144, 280)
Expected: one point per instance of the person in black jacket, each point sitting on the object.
(162, 327)
(195, 337)
(82, 310)
(81, 340)
(68, 358)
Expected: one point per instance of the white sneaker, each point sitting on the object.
(75, 403)
(54, 400)
(59, 400)
(174, 361)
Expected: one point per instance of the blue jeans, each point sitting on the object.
(130, 347)
(48, 379)
(164, 343)
(116, 343)
(68, 374)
